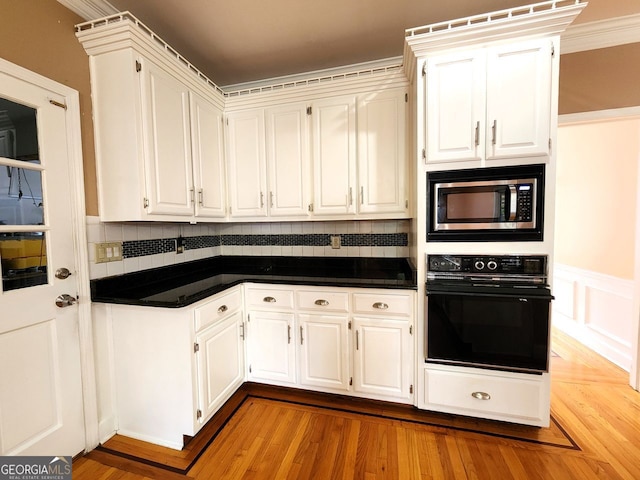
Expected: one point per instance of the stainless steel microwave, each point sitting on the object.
(486, 204)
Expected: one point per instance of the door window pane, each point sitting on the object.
(20, 179)
(23, 257)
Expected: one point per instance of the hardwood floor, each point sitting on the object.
(269, 433)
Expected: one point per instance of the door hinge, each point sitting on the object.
(406, 98)
(145, 203)
(424, 154)
(351, 381)
(309, 110)
(549, 145)
(424, 69)
(249, 368)
(410, 329)
(198, 414)
(311, 207)
(406, 204)
(138, 66)
(349, 325)
(553, 50)
(410, 388)
(58, 104)
(196, 348)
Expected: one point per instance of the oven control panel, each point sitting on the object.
(535, 265)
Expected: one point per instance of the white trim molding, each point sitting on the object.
(597, 310)
(90, 9)
(598, 115)
(601, 34)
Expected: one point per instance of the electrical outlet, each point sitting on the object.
(335, 241)
(180, 244)
(108, 252)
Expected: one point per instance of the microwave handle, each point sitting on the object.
(513, 202)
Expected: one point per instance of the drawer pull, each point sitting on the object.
(380, 305)
(481, 395)
(269, 300)
(321, 302)
(222, 309)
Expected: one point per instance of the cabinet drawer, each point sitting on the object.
(217, 309)
(383, 304)
(268, 298)
(323, 301)
(485, 395)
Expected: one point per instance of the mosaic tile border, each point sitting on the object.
(141, 248)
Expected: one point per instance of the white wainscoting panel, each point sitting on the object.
(597, 310)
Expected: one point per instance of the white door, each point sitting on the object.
(519, 99)
(271, 347)
(381, 152)
(456, 86)
(246, 163)
(41, 408)
(287, 142)
(334, 155)
(168, 141)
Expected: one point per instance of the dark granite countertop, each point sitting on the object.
(186, 283)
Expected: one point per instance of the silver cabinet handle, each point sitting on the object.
(65, 300)
(269, 300)
(271, 199)
(261, 200)
(477, 133)
(481, 395)
(357, 340)
(193, 193)
(222, 309)
(380, 305)
(321, 302)
(350, 196)
(200, 197)
(494, 131)
(361, 195)
(301, 335)
(288, 333)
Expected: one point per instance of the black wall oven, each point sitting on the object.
(488, 312)
(487, 204)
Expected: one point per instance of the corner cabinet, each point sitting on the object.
(158, 142)
(198, 354)
(489, 103)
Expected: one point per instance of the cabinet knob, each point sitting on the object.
(322, 303)
(269, 300)
(380, 305)
(481, 395)
(222, 309)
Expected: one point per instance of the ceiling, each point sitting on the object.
(241, 41)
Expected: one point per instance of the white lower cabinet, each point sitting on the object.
(220, 363)
(510, 397)
(271, 347)
(173, 368)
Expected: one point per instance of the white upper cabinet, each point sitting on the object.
(168, 142)
(334, 155)
(246, 162)
(208, 158)
(519, 99)
(382, 160)
(489, 103)
(288, 160)
(456, 106)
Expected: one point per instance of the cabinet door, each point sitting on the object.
(220, 363)
(324, 348)
(382, 357)
(287, 141)
(381, 152)
(334, 155)
(455, 110)
(246, 163)
(208, 158)
(519, 99)
(271, 346)
(168, 140)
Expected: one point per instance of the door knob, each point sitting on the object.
(65, 300)
(62, 273)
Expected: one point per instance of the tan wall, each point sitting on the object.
(596, 196)
(600, 79)
(39, 35)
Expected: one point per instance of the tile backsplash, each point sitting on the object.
(150, 245)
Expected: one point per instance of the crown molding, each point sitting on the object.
(601, 34)
(90, 9)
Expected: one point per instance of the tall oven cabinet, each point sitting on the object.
(484, 94)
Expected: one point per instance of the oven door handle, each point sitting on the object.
(511, 294)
